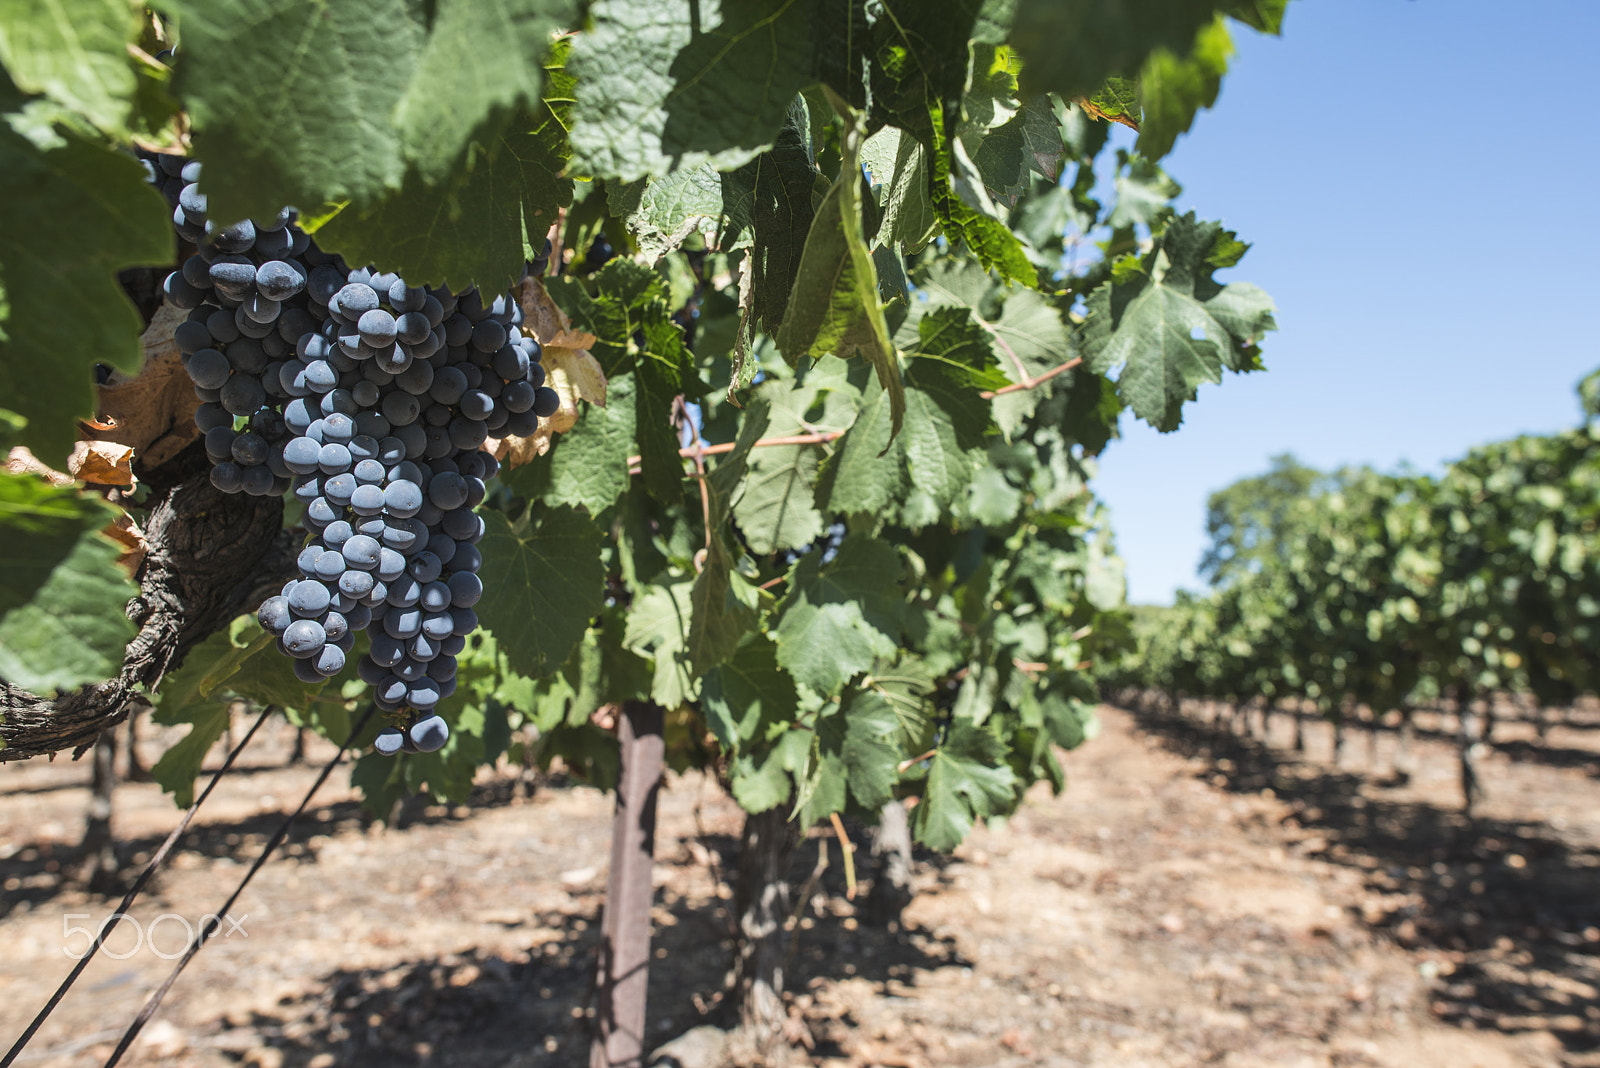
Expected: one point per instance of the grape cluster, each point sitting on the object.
(369, 399)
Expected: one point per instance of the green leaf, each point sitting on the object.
(306, 122)
(656, 77)
(859, 479)
(776, 510)
(549, 582)
(76, 53)
(664, 210)
(898, 165)
(658, 629)
(1143, 193)
(1072, 47)
(1030, 331)
(1169, 326)
(771, 197)
(724, 603)
(62, 619)
(586, 467)
(856, 757)
(837, 618)
(763, 780)
(956, 188)
(834, 309)
(77, 214)
(40, 525)
(748, 694)
(478, 223)
(1029, 143)
(180, 764)
(1173, 88)
(481, 57)
(969, 779)
(191, 695)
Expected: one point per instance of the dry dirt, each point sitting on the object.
(1191, 898)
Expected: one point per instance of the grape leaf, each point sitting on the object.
(481, 57)
(658, 629)
(1071, 47)
(1028, 143)
(855, 757)
(1173, 89)
(664, 210)
(898, 165)
(859, 479)
(777, 509)
(77, 214)
(588, 465)
(837, 618)
(550, 582)
(1169, 326)
(480, 224)
(771, 196)
(748, 694)
(1029, 330)
(40, 524)
(76, 53)
(834, 308)
(1143, 192)
(62, 621)
(969, 778)
(306, 123)
(655, 78)
(452, 237)
(763, 779)
(724, 603)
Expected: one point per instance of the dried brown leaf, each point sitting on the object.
(569, 369)
(153, 412)
(22, 462)
(104, 463)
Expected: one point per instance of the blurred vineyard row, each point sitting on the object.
(1371, 595)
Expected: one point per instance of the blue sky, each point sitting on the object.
(1419, 180)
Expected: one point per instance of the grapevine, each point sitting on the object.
(369, 399)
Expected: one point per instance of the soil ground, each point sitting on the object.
(1191, 898)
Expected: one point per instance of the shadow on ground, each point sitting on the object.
(474, 1010)
(42, 872)
(1513, 911)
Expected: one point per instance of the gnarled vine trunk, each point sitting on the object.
(891, 883)
(211, 556)
(100, 863)
(762, 901)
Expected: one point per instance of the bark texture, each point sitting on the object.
(101, 866)
(891, 849)
(762, 898)
(211, 557)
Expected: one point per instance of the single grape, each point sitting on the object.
(362, 552)
(273, 615)
(227, 476)
(309, 597)
(388, 741)
(465, 589)
(257, 481)
(546, 402)
(304, 638)
(208, 368)
(429, 734)
(402, 498)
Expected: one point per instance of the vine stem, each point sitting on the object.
(1030, 383)
(703, 450)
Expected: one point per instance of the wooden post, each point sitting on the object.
(624, 967)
